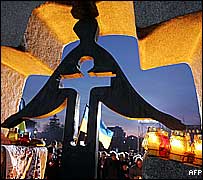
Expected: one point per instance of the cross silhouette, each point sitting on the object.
(83, 86)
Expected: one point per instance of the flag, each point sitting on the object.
(21, 127)
(83, 126)
(105, 135)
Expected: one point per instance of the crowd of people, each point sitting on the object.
(119, 166)
(110, 166)
(53, 161)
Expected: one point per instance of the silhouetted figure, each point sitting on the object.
(101, 162)
(112, 167)
(124, 170)
(121, 157)
(135, 171)
(127, 159)
(52, 165)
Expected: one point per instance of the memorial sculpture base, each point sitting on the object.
(169, 169)
(77, 163)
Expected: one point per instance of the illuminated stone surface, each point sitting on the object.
(11, 91)
(50, 27)
(178, 40)
(167, 169)
(23, 62)
(16, 66)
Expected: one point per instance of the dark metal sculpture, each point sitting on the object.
(81, 161)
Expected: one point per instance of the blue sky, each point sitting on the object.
(169, 89)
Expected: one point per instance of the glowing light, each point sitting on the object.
(178, 147)
(111, 19)
(198, 147)
(153, 138)
(152, 141)
(177, 144)
(102, 74)
(180, 150)
(23, 62)
(55, 111)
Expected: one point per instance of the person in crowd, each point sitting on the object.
(52, 162)
(131, 161)
(124, 170)
(112, 167)
(59, 154)
(121, 157)
(101, 162)
(127, 159)
(135, 157)
(135, 171)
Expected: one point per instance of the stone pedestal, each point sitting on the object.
(157, 168)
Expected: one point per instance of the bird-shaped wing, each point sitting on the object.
(175, 41)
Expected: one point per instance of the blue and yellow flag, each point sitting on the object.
(105, 135)
(22, 125)
(83, 126)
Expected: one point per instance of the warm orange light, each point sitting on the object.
(176, 41)
(198, 146)
(55, 111)
(180, 147)
(178, 142)
(72, 76)
(156, 142)
(177, 145)
(164, 147)
(145, 142)
(102, 74)
(153, 140)
(172, 42)
(4, 131)
(58, 19)
(23, 62)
